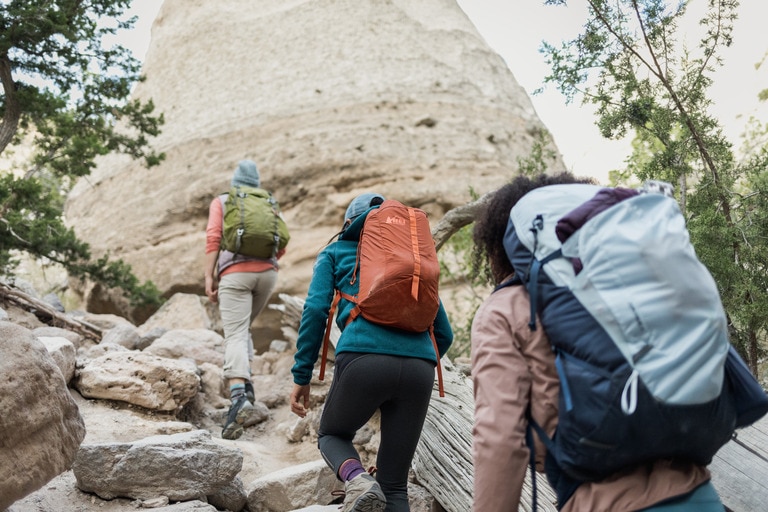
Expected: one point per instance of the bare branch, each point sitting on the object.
(457, 218)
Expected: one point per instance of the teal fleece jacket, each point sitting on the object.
(333, 270)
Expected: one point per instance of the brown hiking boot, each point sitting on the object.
(363, 494)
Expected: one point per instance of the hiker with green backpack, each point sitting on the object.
(521, 373)
(245, 237)
(382, 275)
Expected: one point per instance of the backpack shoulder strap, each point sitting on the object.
(327, 335)
(512, 282)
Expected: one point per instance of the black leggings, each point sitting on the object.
(401, 388)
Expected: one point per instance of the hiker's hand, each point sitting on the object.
(300, 400)
(212, 289)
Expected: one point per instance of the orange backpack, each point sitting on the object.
(398, 273)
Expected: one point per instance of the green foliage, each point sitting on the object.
(66, 90)
(536, 162)
(629, 63)
(32, 222)
(466, 287)
(466, 271)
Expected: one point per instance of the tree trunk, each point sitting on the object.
(443, 460)
(12, 108)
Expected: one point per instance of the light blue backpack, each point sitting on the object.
(636, 322)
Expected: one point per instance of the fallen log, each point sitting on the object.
(443, 460)
(47, 314)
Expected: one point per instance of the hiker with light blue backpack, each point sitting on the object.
(602, 356)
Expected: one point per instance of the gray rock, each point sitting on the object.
(293, 487)
(182, 467)
(40, 424)
(152, 382)
(54, 301)
(63, 352)
(123, 334)
(231, 497)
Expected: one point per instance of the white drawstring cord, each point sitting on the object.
(629, 395)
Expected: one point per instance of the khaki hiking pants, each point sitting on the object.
(242, 296)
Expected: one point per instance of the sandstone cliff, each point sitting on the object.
(330, 98)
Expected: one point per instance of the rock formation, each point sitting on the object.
(38, 438)
(330, 98)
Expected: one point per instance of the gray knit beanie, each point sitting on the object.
(361, 203)
(246, 174)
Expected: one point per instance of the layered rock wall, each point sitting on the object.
(330, 98)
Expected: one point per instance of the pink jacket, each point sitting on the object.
(513, 367)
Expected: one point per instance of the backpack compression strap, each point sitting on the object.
(276, 233)
(533, 284)
(241, 208)
(416, 255)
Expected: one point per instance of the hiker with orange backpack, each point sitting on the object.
(516, 383)
(386, 367)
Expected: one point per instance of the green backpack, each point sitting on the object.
(253, 225)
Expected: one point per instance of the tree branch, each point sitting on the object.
(457, 218)
(47, 314)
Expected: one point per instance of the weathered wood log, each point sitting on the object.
(443, 460)
(47, 314)
(457, 218)
(740, 469)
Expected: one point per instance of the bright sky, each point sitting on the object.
(515, 29)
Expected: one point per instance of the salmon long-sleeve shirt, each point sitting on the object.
(513, 367)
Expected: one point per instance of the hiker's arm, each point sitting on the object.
(501, 388)
(211, 286)
(313, 318)
(443, 331)
(299, 400)
(212, 241)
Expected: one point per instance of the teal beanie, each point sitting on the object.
(361, 203)
(246, 174)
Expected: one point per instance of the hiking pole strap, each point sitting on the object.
(327, 336)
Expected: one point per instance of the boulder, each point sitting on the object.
(152, 382)
(40, 424)
(181, 467)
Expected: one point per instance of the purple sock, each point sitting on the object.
(350, 469)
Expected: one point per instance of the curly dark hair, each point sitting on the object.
(488, 255)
